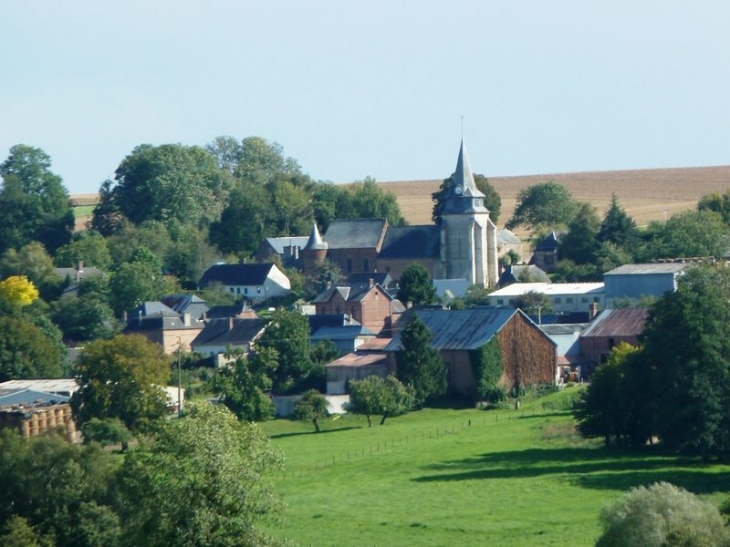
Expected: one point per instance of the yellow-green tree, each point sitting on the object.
(17, 289)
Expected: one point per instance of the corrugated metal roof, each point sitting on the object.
(376, 344)
(358, 359)
(648, 269)
(549, 289)
(359, 233)
(562, 328)
(461, 329)
(618, 322)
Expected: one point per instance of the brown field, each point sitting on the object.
(646, 195)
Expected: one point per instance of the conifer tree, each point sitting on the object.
(420, 365)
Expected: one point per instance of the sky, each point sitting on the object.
(380, 88)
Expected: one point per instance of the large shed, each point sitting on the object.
(528, 354)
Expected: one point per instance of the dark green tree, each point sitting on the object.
(416, 286)
(34, 201)
(385, 397)
(83, 318)
(370, 201)
(487, 366)
(324, 352)
(312, 407)
(245, 222)
(27, 350)
(492, 199)
(88, 247)
(543, 206)
(121, 378)
(717, 203)
(137, 281)
(689, 234)
(534, 302)
(617, 226)
(419, 365)
(579, 243)
(106, 432)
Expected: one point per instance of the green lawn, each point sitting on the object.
(83, 210)
(462, 477)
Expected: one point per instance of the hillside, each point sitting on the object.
(646, 194)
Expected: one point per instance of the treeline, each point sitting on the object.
(675, 387)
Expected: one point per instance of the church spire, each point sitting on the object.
(464, 196)
(463, 177)
(315, 239)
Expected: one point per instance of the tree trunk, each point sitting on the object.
(370, 423)
(383, 420)
(316, 425)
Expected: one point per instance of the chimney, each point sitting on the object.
(186, 319)
(371, 282)
(329, 284)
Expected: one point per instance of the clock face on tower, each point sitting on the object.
(458, 190)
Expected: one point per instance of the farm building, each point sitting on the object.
(609, 329)
(632, 282)
(564, 297)
(369, 360)
(528, 354)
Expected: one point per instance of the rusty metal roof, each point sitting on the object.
(618, 322)
(358, 359)
(461, 329)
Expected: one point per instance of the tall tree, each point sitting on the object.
(690, 234)
(121, 378)
(206, 480)
(617, 226)
(416, 286)
(419, 365)
(492, 199)
(165, 183)
(34, 201)
(543, 206)
(245, 222)
(137, 281)
(370, 201)
(579, 244)
(88, 247)
(26, 351)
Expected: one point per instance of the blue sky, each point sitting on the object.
(378, 88)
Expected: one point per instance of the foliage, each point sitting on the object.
(312, 406)
(84, 317)
(617, 226)
(18, 290)
(382, 396)
(579, 243)
(476, 295)
(34, 262)
(416, 286)
(419, 365)
(121, 378)
(27, 350)
(288, 334)
(542, 206)
(244, 223)
(137, 281)
(492, 199)
(106, 431)
(687, 234)
(534, 302)
(19, 533)
(368, 200)
(34, 201)
(487, 367)
(662, 515)
(325, 274)
(718, 203)
(324, 352)
(61, 490)
(166, 183)
(88, 247)
(570, 272)
(244, 387)
(204, 481)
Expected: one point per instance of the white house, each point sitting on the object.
(254, 282)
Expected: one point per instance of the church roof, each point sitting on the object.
(315, 239)
(411, 242)
(358, 233)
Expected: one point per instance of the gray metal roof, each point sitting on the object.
(618, 322)
(461, 329)
(314, 241)
(346, 332)
(649, 269)
(358, 233)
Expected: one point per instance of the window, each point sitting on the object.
(500, 302)
(557, 300)
(238, 290)
(245, 290)
(584, 300)
(569, 300)
(365, 264)
(232, 290)
(596, 299)
(511, 301)
(258, 290)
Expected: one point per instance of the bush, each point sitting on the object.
(662, 515)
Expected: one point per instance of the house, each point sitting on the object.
(463, 244)
(369, 304)
(608, 330)
(528, 354)
(288, 249)
(74, 276)
(522, 273)
(545, 254)
(219, 336)
(186, 303)
(253, 282)
(632, 282)
(564, 298)
(163, 325)
(570, 359)
(370, 359)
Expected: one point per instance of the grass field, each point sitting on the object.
(462, 477)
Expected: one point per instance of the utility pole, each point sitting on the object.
(179, 379)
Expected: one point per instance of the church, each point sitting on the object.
(464, 245)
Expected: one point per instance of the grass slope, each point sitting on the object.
(462, 477)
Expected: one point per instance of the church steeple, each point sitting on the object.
(464, 196)
(315, 239)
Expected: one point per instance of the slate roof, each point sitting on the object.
(381, 278)
(317, 322)
(460, 329)
(359, 233)
(230, 331)
(157, 316)
(236, 274)
(314, 241)
(618, 322)
(148, 309)
(277, 244)
(349, 293)
(411, 242)
(506, 237)
(462, 196)
(550, 243)
(346, 332)
(234, 310)
(186, 303)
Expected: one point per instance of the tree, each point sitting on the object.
(617, 226)
(662, 515)
(205, 481)
(370, 201)
(288, 334)
(244, 222)
(106, 432)
(166, 183)
(34, 201)
(534, 302)
(137, 281)
(324, 352)
(383, 396)
(291, 205)
(26, 351)
(690, 234)
(717, 203)
(18, 290)
(313, 406)
(416, 286)
(34, 262)
(244, 387)
(492, 199)
(487, 366)
(88, 247)
(419, 365)
(579, 243)
(543, 206)
(121, 378)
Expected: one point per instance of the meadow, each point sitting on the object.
(463, 477)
